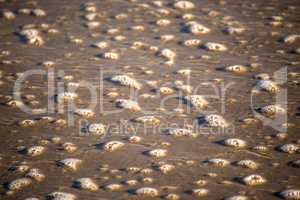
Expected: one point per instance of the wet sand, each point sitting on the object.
(259, 45)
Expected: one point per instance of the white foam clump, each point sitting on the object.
(15, 103)
(9, 15)
(197, 29)
(126, 81)
(235, 142)
(101, 45)
(219, 162)
(25, 11)
(289, 148)
(184, 5)
(261, 148)
(147, 192)
(86, 184)
(128, 104)
(27, 122)
(200, 192)
(32, 36)
(268, 85)
(254, 180)
(66, 96)
(35, 150)
(111, 55)
(165, 90)
(92, 24)
(36, 174)
(165, 168)
(90, 16)
(113, 187)
(148, 120)
(236, 68)
(38, 12)
(291, 38)
(197, 101)
(272, 110)
(135, 139)
(163, 22)
(20, 168)
(192, 42)
(158, 153)
(168, 53)
(113, 146)
(214, 120)
(167, 37)
(48, 63)
(70, 163)
(84, 112)
(213, 46)
(247, 164)
(290, 194)
(96, 129)
(235, 30)
(61, 196)
(19, 184)
(69, 147)
(181, 132)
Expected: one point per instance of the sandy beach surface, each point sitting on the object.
(214, 109)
